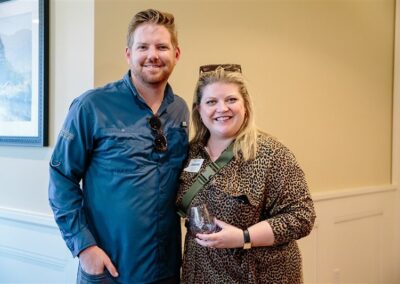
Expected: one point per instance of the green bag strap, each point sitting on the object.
(203, 178)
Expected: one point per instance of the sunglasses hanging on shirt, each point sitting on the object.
(160, 141)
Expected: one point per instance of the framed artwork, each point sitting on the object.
(24, 53)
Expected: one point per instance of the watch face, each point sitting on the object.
(246, 237)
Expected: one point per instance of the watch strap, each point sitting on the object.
(246, 238)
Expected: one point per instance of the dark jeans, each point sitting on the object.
(106, 278)
(85, 278)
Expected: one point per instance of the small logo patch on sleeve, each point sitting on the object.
(67, 135)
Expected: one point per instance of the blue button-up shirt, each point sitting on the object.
(126, 204)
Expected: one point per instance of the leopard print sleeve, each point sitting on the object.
(289, 207)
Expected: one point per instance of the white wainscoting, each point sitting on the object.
(32, 250)
(352, 242)
(353, 238)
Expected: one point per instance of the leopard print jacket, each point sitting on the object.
(271, 187)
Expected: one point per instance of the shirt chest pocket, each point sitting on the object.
(177, 140)
(122, 150)
(236, 209)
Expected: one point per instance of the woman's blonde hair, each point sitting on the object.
(246, 138)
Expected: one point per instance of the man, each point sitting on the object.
(126, 142)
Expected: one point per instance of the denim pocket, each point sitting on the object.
(86, 278)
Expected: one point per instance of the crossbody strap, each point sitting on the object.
(204, 177)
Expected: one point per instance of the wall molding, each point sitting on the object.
(358, 216)
(347, 222)
(54, 263)
(47, 220)
(33, 241)
(353, 192)
(27, 217)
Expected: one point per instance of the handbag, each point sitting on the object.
(203, 178)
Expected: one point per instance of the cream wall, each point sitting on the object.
(24, 170)
(320, 73)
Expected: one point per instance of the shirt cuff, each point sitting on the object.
(81, 241)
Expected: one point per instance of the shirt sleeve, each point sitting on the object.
(290, 208)
(67, 167)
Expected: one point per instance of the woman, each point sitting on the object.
(260, 198)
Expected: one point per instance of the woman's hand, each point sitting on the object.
(229, 237)
(94, 260)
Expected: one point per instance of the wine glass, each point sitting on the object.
(201, 221)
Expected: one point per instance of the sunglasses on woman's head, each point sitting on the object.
(160, 141)
(225, 67)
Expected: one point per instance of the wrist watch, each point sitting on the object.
(247, 241)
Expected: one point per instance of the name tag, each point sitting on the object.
(194, 165)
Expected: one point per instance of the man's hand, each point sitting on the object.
(93, 260)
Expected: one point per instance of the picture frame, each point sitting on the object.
(24, 74)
